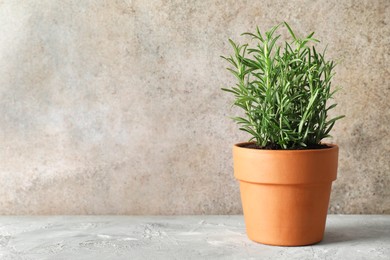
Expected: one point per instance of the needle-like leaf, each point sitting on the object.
(283, 90)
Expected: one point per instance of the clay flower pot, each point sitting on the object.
(285, 193)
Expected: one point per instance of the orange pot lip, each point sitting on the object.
(286, 166)
(267, 151)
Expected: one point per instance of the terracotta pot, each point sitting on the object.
(285, 193)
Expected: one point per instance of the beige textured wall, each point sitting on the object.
(114, 107)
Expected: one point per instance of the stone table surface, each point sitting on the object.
(180, 237)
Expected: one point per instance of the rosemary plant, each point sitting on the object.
(283, 89)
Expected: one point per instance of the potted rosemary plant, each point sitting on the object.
(285, 171)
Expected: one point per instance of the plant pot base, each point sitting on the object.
(285, 215)
(287, 245)
(285, 194)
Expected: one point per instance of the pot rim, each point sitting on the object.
(242, 146)
(285, 166)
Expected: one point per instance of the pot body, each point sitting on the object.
(285, 193)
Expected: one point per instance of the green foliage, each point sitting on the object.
(283, 89)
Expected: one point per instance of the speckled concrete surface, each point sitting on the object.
(194, 237)
(114, 107)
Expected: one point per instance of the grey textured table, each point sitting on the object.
(180, 237)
